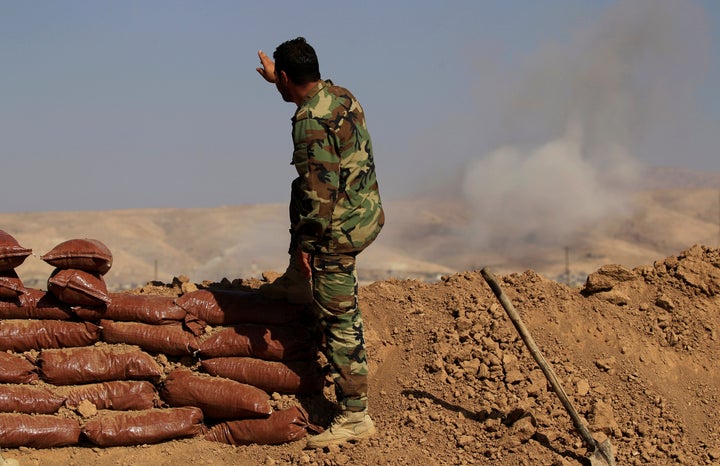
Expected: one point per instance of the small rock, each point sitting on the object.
(615, 297)
(664, 302)
(483, 371)
(605, 363)
(643, 429)
(492, 424)
(714, 453)
(523, 428)
(603, 418)
(472, 366)
(86, 408)
(514, 376)
(607, 277)
(510, 362)
(188, 287)
(465, 440)
(582, 387)
(509, 441)
(463, 324)
(411, 419)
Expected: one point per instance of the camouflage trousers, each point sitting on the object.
(335, 290)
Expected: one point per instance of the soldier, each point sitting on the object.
(335, 213)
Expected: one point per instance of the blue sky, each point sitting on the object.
(142, 104)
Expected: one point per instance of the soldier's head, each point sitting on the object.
(296, 67)
(298, 60)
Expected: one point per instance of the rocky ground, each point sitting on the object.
(452, 383)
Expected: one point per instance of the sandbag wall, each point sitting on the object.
(81, 365)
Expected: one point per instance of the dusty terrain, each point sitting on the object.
(635, 346)
(452, 383)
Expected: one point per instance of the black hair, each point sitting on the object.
(298, 60)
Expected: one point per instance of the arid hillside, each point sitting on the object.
(422, 239)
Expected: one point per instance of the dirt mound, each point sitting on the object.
(452, 382)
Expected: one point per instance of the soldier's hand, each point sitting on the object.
(304, 263)
(267, 70)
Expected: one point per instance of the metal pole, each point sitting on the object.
(567, 265)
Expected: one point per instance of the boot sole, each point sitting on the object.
(321, 444)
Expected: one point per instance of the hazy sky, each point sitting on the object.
(139, 104)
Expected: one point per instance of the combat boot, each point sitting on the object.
(292, 286)
(348, 426)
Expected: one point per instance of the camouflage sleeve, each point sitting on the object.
(317, 162)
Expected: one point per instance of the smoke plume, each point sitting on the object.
(574, 124)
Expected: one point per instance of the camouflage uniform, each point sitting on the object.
(335, 213)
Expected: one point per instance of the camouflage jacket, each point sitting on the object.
(335, 204)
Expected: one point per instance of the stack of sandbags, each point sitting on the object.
(17, 303)
(34, 319)
(11, 256)
(251, 347)
(137, 368)
(267, 344)
(30, 407)
(79, 268)
(154, 323)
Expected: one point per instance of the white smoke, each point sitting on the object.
(574, 123)
(544, 192)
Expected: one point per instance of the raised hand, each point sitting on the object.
(267, 70)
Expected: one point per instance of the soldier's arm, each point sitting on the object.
(318, 165)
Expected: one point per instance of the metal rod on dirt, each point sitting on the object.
(545, 366)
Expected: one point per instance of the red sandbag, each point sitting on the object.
(37, 431)
(24, 335)
(143, 427)
(194, 325)
(231, 307)
(119, 395)
(219, 398)
(73, 366)
(295, 377)
(11, 253)
(86, 254)
(16, 369)
(10, 284)
(35, 304)
(125, 307)
(29, 399)
(284, 426)
(274, 343)
(78, 287)
(171, 340)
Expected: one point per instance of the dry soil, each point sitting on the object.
(635, 349)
